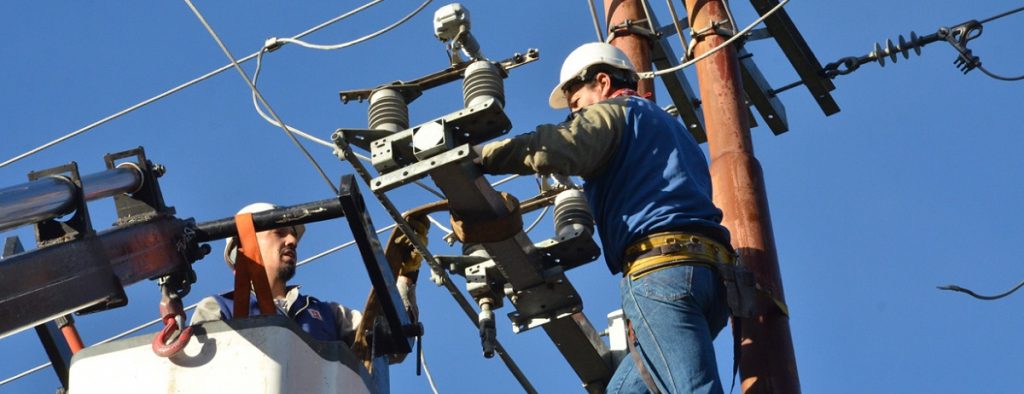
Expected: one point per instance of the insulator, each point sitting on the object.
(891, 49)
(388, 110)
(482, 82)
(572, 215)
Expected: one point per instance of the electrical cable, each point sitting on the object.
(356, 41)
(675, 22)
(537, 221)
(737, 36)
(430, 378)
(178, 88)
(1007, 13)
(597, 25)
(446, 230)
(982, 297)
(255, 103)
(999, 77)
(505, 180)
(260, 96)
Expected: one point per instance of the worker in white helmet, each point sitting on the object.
(325, 321)
(648, 185)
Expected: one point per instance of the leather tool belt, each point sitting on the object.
(672, 248)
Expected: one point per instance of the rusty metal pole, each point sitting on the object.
(767, 364)
(636, 47)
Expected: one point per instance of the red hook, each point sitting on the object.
(173, 317)
(160, 345)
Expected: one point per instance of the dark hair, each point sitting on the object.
(621, 79)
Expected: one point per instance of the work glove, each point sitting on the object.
(402, 250)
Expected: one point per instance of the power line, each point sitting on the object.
(982, 297)
(737, 36)
(1007, 13)
(259, 95)
(597, 25)
(178, 88)
(275, 41)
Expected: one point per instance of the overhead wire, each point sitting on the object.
(675, 22)
(290, 131)
(985, 70)
(734, 38)
(537, 221)
(256, 92)
(178, 88)
(597, 24)
(256, 105)
(979, 296)
(358, 40)
(430, 378)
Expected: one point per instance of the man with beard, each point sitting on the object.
(325, 321)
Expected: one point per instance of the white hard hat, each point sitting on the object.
(231, 247)
(582, 58)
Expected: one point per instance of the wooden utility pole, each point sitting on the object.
(767, 363)
(636, 47)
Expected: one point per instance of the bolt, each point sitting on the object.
(159, 170)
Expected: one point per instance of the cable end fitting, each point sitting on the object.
(272, 44)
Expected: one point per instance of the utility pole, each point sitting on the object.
(767, 363)
(637, 47)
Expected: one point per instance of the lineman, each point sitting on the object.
(648, 185)
(325, 321)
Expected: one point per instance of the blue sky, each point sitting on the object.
(916, 183)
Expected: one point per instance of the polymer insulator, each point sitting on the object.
(388, 110)
(482, 82)
(572, 214)
(891, 49)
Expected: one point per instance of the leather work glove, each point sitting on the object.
(402, 250)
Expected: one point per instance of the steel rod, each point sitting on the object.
(315, 211)
(54, 196)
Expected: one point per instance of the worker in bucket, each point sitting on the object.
(325, 321)
(648, 185)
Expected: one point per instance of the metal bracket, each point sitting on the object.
(52, 231)
(442, 77)
(554, 299)
(569, 253)
(799, 54)
(759, 92)
(632, 27)
(418, 170)
(400, 331)
(148, 200)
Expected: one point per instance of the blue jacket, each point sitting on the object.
(314, 317)
(644, 172)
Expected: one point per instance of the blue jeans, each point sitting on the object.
(676, 314)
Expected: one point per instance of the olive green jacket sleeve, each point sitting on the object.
(579, 147)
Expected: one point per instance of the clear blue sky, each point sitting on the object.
(916, 183)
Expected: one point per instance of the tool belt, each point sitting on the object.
(669, 249)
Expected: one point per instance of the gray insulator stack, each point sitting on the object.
(572, 215)
(388, 111)
(481, 83)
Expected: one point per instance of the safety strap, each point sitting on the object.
(249, 271)
(640, 368)
(475, 230)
